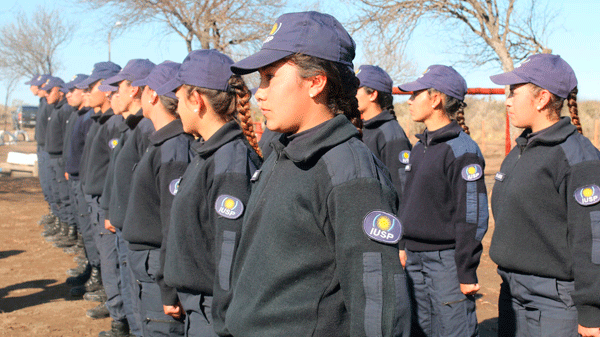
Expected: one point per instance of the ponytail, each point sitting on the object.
(454, 109)
(572, 105)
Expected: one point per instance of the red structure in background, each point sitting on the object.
(476, 91)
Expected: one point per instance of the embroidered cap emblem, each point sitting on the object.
(382, 227)
(472, 172)
(229, 207)
(587, 195)
(113, 143)
(174, 186)
(404, 157)
(274, 30)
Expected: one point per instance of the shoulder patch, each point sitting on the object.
(113, 143)
(382, 227)
(404, 157)
(174, 186)
(472, 172)
(229, 207)
(587, 195)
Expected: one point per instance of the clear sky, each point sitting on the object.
(576, 39)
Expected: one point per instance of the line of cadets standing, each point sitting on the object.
(154, 174)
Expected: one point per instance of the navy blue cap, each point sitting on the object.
(205, 68)
(102, 70)
(441, 78)
(375, 78)
(135, 69)
(76, 79)
(41, 79)
(159, 76)
(107, 87)
(309, 33)
(547, 71)
(33, 79)
(52, 82)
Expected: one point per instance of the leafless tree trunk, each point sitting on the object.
(29, 45)
(487, 30)
(225, 25)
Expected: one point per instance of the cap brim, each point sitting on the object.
(413, 86)
(86, 83)
(107, 88)
(114, 79)
(509, 78)
(169, 87)
(170, 94)
(256, 61)
(139, 83)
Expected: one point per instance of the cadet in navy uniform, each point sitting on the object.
(125, 102)
(445, 212)
(381, 132)
(153, 187)
(214, 105)
(546, 206)
(318, 253)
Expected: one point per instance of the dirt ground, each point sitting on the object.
(35, 301)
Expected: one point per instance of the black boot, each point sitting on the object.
(117, 329)
(80, 278)
(64, 231)
(80, 269)
(51, 229)
(69, 241)
(80, 258)
(92, 284)
(96, 296)
(73, 250)
(98, 312)
(47, 219)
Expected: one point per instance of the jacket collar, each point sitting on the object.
(171, 130)
(132, 120)
(375, 122)
(106, 116)
(441, 135)
(554, 134)
(228, 132)
(308, 149)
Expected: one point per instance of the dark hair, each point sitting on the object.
(139, 93)
(384, 99)
(170, 105)
(454, 109)
(341, 86)
(556, 104)
(228, 104)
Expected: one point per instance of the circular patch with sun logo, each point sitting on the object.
(404, 157)
(472, 172)
(383, 227)
(113, 143)
(174, 186)
(229, 207)
(587, 195)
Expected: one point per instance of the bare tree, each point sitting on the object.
(29, 45)
(488, 30)
(217, 24)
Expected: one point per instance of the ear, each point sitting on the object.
(437, 102)
(317, 85)
(153, 97)
(373, 96)
(196, 101)
(543, 99)
(135, 91)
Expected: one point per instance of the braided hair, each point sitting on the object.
(454, 109)
(556, 104)
(232, 104)
(341, 86)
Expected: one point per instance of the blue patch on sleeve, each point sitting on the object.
(382, 227)
(587, 195)
(484, 215)
(174, 186)
(404, 157)
(229, 207)
(472, 172)
(471, 202)
(113, 143)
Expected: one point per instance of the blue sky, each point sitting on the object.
(576, 39)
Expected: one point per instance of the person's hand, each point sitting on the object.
(469, 289)
(108, 226)
(66, 176)
(588, 332)
(175, 311)
(402, 255)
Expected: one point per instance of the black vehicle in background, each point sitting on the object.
(26, 115)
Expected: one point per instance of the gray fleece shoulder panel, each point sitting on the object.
(350, 160)
(175, 149)
(231, 157)
(578, 149)
(464, 144)
(391, 131)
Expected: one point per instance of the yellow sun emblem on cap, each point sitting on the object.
(275, 29)
(384, 223)
(587, 192)
(472, 170)
(229, 203)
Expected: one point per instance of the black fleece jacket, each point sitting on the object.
(104, 142)
(546, 206)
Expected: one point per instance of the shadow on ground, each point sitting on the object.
(46, 294)
(9, 253)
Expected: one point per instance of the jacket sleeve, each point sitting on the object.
(392, 156)
(471, 213)
(168, 177)
(371, 278)
(584, 229)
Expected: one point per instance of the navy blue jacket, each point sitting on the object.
(76, 145)
(546, 205)
(445, 204)
(104, 142)
(56, 128)
(41, 121)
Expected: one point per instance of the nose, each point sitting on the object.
(260, 94)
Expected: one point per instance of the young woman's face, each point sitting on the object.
(283, 97)
(124, 97)
(363, 100)
(96, 97)
(75, 97)
(520, 106)
(146, 98)
(185, 108)
(420, 106)
(53, 95)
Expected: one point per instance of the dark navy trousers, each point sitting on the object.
(198, 314)
(43, 157)
(130, 304)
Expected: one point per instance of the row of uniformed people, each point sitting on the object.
(316, 250)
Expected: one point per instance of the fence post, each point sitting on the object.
(482, 138)
(596, 131)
